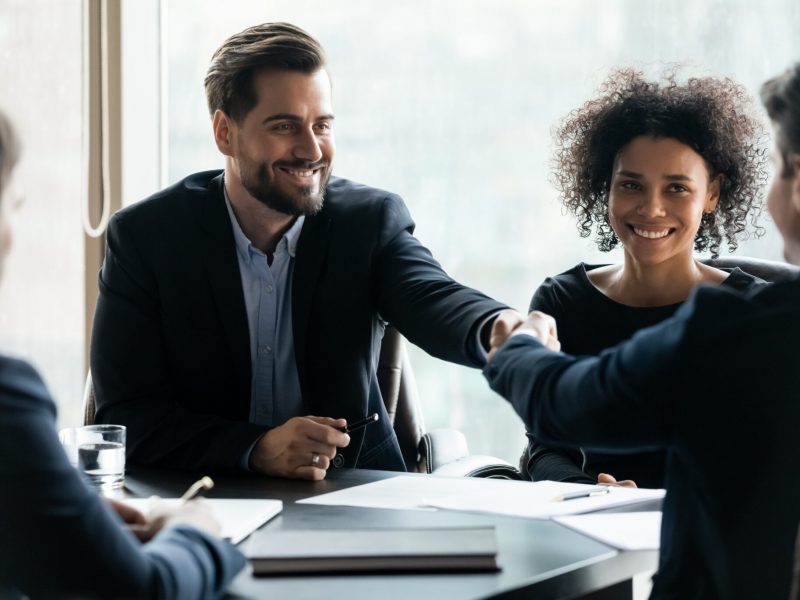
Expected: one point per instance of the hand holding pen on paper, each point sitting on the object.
(188, 510)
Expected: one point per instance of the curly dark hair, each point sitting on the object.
(713, 116)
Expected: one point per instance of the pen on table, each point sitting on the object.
(599, 490)
(359, 424)
(204, 483)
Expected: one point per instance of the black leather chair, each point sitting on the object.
(440, 451)
(768, 270)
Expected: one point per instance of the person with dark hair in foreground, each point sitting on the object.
(664, 168)
(57, 537)
(715, 386)
(237, 304)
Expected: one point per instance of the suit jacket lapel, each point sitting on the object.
(225, 280)
(309, 257)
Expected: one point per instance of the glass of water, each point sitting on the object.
(99, 451)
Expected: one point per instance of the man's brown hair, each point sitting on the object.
(9, 150)
(781, 98)
(229, 81)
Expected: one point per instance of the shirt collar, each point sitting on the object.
(244, 245)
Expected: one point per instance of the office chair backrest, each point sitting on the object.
(399, 390)
(768, 270)
(444, 452)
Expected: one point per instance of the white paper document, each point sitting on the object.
(237, 517)
(624, 531)
(515, 498)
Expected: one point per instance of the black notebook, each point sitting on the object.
(284, 552)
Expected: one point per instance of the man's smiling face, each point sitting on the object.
(283, 148)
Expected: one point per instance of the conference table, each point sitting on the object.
(538, 558)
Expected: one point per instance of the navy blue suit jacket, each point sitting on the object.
(57, 537)
(170, 347)
(717, 387)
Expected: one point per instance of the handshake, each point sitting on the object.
(538, 325)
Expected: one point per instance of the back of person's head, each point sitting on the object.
(9, 155)
(9, 151)
(229, 81)
(781, 97)
(713, 116)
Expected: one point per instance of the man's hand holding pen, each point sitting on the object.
(303, 447)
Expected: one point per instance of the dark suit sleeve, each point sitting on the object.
(131, 370)
(619, 400)
(57, 536)
(544, 461)
(547, 462)
(415, 294)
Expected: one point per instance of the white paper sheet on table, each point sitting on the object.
(625, 531)
(517, 498)
(238, 518)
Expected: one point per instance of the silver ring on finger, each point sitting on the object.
(314, 459)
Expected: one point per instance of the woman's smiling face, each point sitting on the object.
(660, 189)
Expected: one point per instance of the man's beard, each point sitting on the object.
(260, 186)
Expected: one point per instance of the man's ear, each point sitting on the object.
(222, 126)
(794, 164)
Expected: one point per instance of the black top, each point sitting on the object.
(717, 387)
(589, 322)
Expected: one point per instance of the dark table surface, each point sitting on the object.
(539, 558)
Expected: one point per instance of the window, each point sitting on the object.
(42, 297)
(450, 104)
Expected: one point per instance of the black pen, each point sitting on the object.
(599, 490)
(359, 424)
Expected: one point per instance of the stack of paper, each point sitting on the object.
(515, 498)
(625, 531)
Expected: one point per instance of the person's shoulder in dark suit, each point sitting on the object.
(59, 538)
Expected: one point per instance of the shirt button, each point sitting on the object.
(269, 289)
(338, 461)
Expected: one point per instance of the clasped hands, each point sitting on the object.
(538, 324)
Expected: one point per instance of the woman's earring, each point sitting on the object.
(709, 219)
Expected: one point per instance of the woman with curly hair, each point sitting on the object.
(663, 169)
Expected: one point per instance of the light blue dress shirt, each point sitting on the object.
(275, 386)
